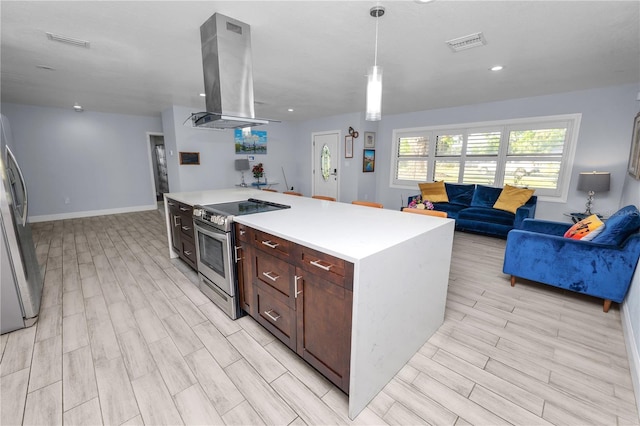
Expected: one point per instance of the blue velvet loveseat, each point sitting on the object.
(602, 267)
(471, 206)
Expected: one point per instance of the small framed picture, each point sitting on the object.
(190, 158)
(348, 147)
(368, 160)
(369, 139)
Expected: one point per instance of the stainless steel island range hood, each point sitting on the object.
(228, 75)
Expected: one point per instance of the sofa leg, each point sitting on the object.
(607, 305)
(513, 280)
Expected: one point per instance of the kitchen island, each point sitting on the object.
(400, 273)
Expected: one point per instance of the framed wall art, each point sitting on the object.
(369, 140)
(348, 147)
(368, 160)
(634, 155)
(190, 158)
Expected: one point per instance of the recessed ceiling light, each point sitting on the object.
(423, 1)
(203, 95)
(290, 110)
(77, 107)
(497, 68)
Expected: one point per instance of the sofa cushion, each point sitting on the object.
(586, 230)
(434, 192)
(488, 215)
(512, 197)
(460, 194)
(451, 209)
(485, 196)
(619, 226)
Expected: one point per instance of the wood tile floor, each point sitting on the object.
(124, 337)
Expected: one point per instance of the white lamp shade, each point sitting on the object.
(374, 94)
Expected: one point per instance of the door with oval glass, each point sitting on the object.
(326, 159)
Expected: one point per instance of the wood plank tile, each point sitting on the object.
(265, 364)
(150, 325)
(46, 365)
(44, 406)
(188, 311)
(304, 402)
(96, 309)
(18, 351)
(267, 403)
(241, 415)
(49, 323)
(104, 344)
(339, 403)
(135, 353)
(117, 400)
(504, 408)
(160, 304)
(217, 345)
(223, 323)
(447, 376)
(79, 382)
(419, 403)
(84, 414)
(155, 402)
(255, 330)
(13, 396)
(399, 415)
(172, 366)
(214, 381)
(122, 317)
(196, 408)
(299, 368)
(182, 335)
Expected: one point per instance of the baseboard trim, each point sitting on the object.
(90, 213)
(632, 353)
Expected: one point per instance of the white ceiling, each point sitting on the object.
(312, 56)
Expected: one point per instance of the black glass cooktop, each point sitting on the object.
(239, 208)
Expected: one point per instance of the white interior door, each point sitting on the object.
(326, 160)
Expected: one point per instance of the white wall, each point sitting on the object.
(217, 154)
(603, 140)
(97, 162)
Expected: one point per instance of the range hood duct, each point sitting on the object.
(228, 75)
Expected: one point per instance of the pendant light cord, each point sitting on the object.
(375, 57)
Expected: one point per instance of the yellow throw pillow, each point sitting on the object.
(434, 192)
(586, 230)
(512, 197)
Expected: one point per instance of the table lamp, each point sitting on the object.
(242, 165)
(593, 182)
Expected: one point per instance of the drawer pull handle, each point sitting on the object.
(171, 204)
(268, 275)
(242, 232)
(235, 249)
(295, 286)
(184, 209)
(270, 244)
(320, 265)
(186, 228)
(269, 312)
(188, 253)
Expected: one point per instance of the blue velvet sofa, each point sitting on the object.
(471, 206)
(603, 267)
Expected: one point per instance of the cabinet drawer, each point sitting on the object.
(188, 252)
(185, 209)
(276, 317)
(272, 244)
(326, 266)
(186, 227)
(243, 232)
(276, 275)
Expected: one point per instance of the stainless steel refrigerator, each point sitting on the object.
(20, 274)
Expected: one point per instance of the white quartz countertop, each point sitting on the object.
(341, 229)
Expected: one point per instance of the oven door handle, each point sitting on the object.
(212, 232)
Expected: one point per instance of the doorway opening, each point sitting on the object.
(158, 159)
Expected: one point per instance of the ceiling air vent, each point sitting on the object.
(68, 40)
(466, 42)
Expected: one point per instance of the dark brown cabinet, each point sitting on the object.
(303, 297)
(243, 254)
(182, 234)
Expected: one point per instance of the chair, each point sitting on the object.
(602, 268)
(293, 193)
(367, 203)
(269, 190)
(323, 197)
(425, 212)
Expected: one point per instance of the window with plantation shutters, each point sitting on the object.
(536, 153)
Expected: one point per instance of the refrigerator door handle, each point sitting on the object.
(11, 157)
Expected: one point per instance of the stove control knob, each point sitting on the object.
(198, 212)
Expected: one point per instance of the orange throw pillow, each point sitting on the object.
(585, 230)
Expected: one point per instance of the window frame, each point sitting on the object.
(559, 194)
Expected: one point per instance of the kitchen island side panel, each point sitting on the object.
(398, 303)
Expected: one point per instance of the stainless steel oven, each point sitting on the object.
(214, 244)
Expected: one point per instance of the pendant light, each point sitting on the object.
(374, 78)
